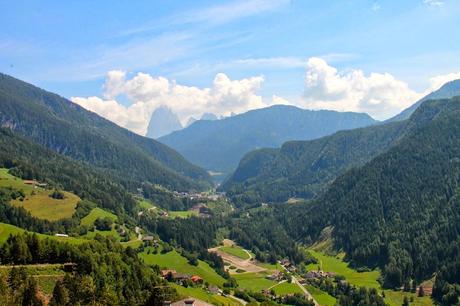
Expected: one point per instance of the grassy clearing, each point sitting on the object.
(97, 213)
(174, 260)
(286, 288)
(182, 214)
(337, 265)
(145, 204)
(253, 281)
(91, 218)
(201, 294)
(9, 181)
(42, 206)
(323, 298)
(38, 201)
(235, 251)
(395, 298)
(271, 267)
(7, 229)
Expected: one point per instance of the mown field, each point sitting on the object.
(38, 201)
(97, 213)
(173, 260)
(201, 294)
(235, 251)
(365, 279)
(253, 281)
(338, 266)
(287, 288)
(323, 298)
(182, 214)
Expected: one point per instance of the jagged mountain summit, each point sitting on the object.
(163, 122)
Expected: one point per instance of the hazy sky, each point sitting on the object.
(123, 59)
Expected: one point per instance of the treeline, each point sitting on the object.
(105, 273)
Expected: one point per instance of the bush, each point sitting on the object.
(58, 195)
(103, 224)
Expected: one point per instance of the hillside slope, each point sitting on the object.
(400, 211)
(70, 130)
(219, 145)
(305, 168)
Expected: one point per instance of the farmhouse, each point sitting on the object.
(276, 276)
(168, 274)
(196, 279)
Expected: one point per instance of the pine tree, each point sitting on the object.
(405, 301)
(29, 297)
(421, 292)
(60, 296)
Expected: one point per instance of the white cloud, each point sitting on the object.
(379, 94)
(147, 93)
(433, 2)
(437, 81)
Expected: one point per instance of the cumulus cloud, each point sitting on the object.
(437, 81)
(379, 94)
(146, 93)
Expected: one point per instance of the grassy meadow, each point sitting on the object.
(173, 260)
(235, 251)
(38, 201)
(253, 281)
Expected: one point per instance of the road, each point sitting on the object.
(305, 291)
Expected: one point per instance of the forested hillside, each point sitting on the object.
(218, 145)
(28, 160)
(400, 211)
(70, 130)
(305, 168)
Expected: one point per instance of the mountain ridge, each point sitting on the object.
(71, 130)
(219, 145)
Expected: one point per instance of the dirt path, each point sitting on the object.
(247, 265)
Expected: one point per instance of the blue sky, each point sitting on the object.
(69, 46)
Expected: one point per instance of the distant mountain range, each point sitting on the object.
(218, 145)
(163, 122)
(68, 129)
(305, 168)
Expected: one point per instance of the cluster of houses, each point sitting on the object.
(318, 274)
(276, 276)
(288, 265)
(200, 195)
